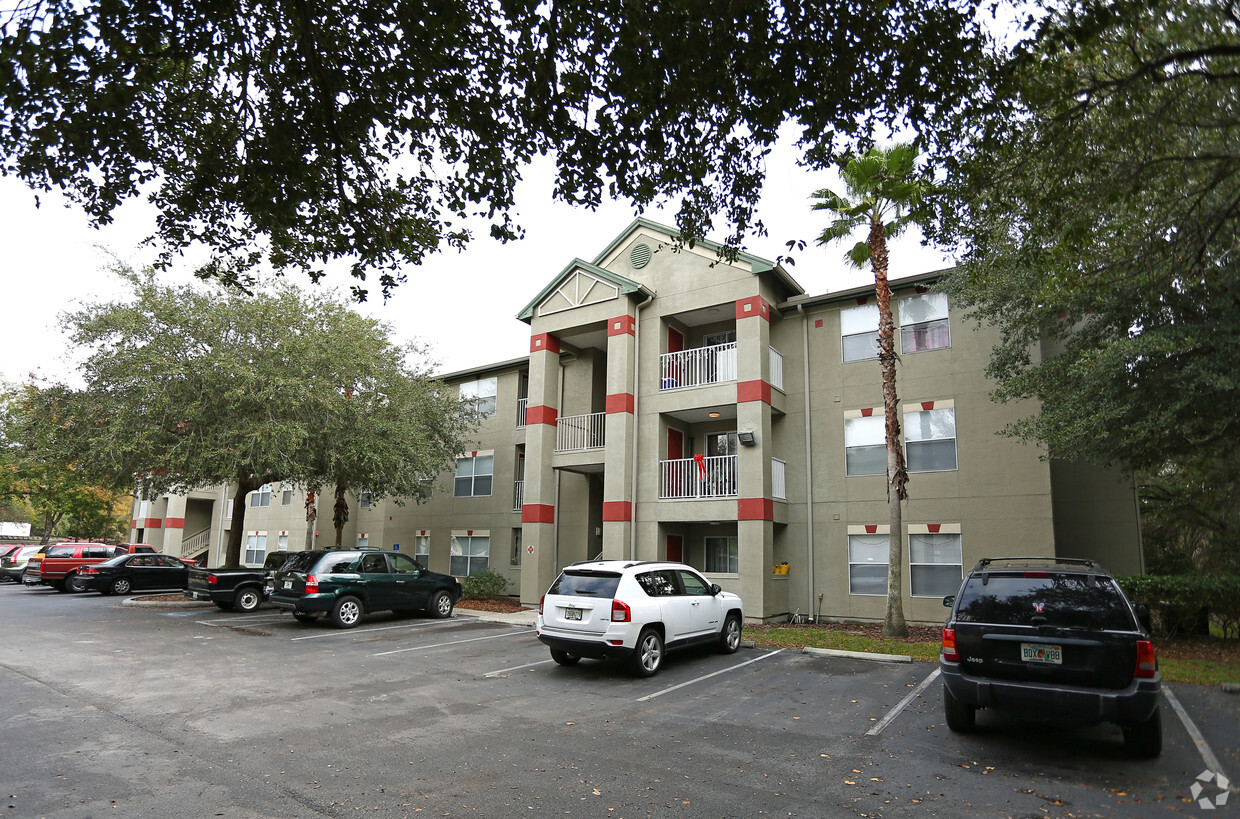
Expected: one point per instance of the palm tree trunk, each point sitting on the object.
(312, 517)
(897, 474)
(340, 512)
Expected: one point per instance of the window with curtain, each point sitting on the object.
(865, 447)
(930, 440)
(722, 555)
(286, 495)
(924, 323)
(422, 548)
(480, 394)
(256, 546)
(469, 554)
(859, 332)
(473, 476)
(934, 564)
(867, 564)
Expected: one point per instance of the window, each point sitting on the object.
(865, 449)
(228, 509)
(661, 583)
(422, 547)
(286, 495)
(722, 555)
(256, 545)
(931, 440)
(469, 554)
(473, 476)
(363, 542)
(261, 496)
(480, 395)
(365, 499)
(693, 585)
(403, 564)
(934, 564)
(867, 564)
(373, 564)
(859, 332)
(924, 324)
(515, 560)
(282, 543)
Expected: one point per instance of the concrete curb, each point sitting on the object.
(141, 602)
(1231, 688)
(857, 655)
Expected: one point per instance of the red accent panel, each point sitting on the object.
(675, 444)
(540, 415)
(753, 391)
(538, 513)
(154, 523)
(622, 325)
(675, 341)
(757, 305)
(617, 510)
(135, 524)
(818, 323)
(927, 405)
(174, 523)
(544, 341)
(675, 548)
(867, 412)
(871, 528)
(620, 402)
(755, 509)
(934, 528)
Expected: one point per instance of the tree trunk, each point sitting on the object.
(236, 528)
(897, 474)
(312, 517)
(340, 513)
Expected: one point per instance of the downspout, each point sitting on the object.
(555, 526)
(637, 423)
(809, 462)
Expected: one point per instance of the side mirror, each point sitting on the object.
(715, 589)
(949, 600)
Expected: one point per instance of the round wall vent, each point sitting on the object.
(639, 256)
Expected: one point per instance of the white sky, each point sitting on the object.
(463, 305)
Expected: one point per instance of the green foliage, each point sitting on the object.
(1190, 516)
(485, 584)
(1177, 601)
(293, 134)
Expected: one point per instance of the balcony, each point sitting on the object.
(707, 477)
(779, 479)
(518, 495)
(576, 433)
(777, 369)
(521, 404)
(701, 365)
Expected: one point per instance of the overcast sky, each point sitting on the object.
(463, 305)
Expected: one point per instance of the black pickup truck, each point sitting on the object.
(235, 589)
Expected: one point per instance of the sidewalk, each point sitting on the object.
(518, 618)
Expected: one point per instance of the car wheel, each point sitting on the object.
(75, 583)
(564, 658)
(960, 717)
(121, 585)
(440, 605)
(302, 617)
(648, 656)
(59, 585)
(1144, 739)
(247, 599)
(730, 637)
(347, 612)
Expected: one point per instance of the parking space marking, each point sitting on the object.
(353, 632)
(894, 712)
(697, 680)
(451, 643)
(504, 671)
(1203, 747)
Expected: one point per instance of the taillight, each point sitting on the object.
(950, 654)
(212, 580)
(312, 584)
(620, 612)
(88, 570)
(540, 603)
(1147, 663)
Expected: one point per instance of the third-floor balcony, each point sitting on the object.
(574, 433)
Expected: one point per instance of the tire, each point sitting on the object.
(1144, 739)
(961, 718)
(224, 605)
(248, 599)
(347, 612)
(59, 585)
(122, 585)
(730, 637)
(302, 617)
(440, 605)
(648, 655)
(75, 584)
(564, 658)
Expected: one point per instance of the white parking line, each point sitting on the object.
(504, 671)
(894, 712)
(452, 643)
(696, 680)
(1203, 747)
(352, 632)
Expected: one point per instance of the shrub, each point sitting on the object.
(1181, 603)
(485, 584)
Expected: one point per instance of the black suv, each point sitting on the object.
(1050, 636)
(346, 584)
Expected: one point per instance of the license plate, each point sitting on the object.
(572, 614)
(1041, 653)
(288, 584)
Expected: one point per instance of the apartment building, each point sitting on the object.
(678, 406)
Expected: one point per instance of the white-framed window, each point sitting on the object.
(924, 323)
(930, 440)
(469, 554)
(256, 546)
(228, 507)
(286, 495)
(473, 476)
(859, 332)
(934, 564)
(722, 555)
(261, 496)
(480, 394)
(365, 499)
(867, 564)
(363, 542)
(865, 446)
(515, 560)
(282, 543)
(422, 548)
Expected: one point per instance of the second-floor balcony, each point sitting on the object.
(521, 406)
(518, 495)
(699, 477)
(574, 433)
(701, 365)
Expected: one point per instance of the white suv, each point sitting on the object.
(636, 611)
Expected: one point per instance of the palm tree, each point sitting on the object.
(885, 194)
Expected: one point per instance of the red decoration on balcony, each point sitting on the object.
(700, 460)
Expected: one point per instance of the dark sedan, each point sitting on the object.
(127, 573)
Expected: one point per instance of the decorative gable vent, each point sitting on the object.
(639, 256)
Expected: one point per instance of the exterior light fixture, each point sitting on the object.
(745, 437)
(713, 414)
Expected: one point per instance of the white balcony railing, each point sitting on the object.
(521, 404)
(713, 477)
(578, 432)
(779, 479)
(701, 365)
(777, 369)
(518, 495)
(195, 543)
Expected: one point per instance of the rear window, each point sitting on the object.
(60, 551)
(586, 584)
(275, 560)
(1065, 601)
(301, 562)
(336, 563)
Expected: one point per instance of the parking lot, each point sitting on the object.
(114, 710)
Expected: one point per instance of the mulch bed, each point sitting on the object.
(500, 605)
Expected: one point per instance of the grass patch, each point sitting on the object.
(1199, 672)
(842, 641)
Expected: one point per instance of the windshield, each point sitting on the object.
(1066, 601)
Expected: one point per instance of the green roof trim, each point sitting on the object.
(627, 286)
